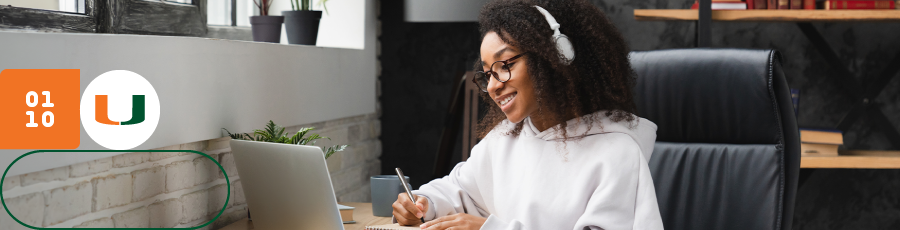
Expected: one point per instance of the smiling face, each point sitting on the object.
(516, 97)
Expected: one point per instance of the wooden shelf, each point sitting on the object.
(851, 162)
(771, 15)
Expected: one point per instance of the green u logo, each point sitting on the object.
(101, 110)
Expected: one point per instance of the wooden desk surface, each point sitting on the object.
(362, 215)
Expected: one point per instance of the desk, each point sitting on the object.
(362, 215)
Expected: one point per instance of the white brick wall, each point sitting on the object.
(195, 206)
(228, 164)
(166, 214)
(27, 208)
(179, 175)
(137, 218)
(155, 156)
(165, 190)
(217, 199)
(112, 191)
(205, 170)
(68, 202)
(148, 182)
(238, 193)
(98, 223)
(10, 183)
(130, 159)
(90, 167)
(61, 173)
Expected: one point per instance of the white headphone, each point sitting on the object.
(562, 41)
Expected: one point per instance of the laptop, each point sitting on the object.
(286, 186)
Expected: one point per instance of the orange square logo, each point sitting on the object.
(39, 109)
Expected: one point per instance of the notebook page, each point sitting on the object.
(391, 227)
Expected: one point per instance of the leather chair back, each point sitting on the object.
(727, 152)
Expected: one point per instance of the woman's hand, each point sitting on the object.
(459, 221)
(408, 213)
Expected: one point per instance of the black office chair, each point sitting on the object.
(727, 152)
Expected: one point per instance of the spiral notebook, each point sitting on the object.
(391, 227)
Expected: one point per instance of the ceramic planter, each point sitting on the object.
(302, 27)
(266, 28)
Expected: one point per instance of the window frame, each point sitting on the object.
(113, 16)
(12, 17)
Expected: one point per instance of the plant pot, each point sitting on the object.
(266, 28)
(302, 27)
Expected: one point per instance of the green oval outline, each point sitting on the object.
(227, 181)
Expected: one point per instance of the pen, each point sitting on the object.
(406, 187)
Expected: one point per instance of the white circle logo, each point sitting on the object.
(119, 110)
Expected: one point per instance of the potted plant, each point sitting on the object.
(266, 28)
(302, 23)
(275, 134)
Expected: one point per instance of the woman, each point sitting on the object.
(562, 147)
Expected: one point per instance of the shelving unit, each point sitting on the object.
(854, 159)
(862, 92)
(771, 15)
(851, 162)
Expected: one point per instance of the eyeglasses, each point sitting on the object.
(499, 70)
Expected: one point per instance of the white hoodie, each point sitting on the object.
(535, 182)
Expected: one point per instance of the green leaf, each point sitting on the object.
(311, 139)
(322, 3)
(331, 150)
(275, 134)
(232, 135)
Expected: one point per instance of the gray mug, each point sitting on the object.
(384, 192)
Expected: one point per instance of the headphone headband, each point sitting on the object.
(552, 21)
(563, 45)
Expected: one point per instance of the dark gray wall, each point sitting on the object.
(420, 63)
(419, 60)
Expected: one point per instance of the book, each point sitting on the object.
(772, 4)
(718, 5)
(751, 4)
(809, 149)
(346, 214)
(759, 4)
(797, 4)
(392, 227)
(784, 4)
(809, 4)
(858, 4)
(821, 136)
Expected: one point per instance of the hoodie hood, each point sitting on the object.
(643, 131)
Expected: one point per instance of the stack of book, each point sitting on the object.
(860, 4)
(820, 142)
(726, 5)
(801, 4)
(346, 214)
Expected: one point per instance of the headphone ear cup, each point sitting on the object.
(565, 48)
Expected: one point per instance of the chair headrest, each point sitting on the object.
(709, 95)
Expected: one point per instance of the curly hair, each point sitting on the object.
(599, 78)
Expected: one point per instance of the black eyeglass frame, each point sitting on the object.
(494, 74)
